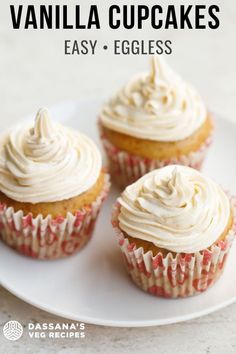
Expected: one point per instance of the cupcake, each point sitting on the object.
(157, 119)
(175, 229)
(52, 186)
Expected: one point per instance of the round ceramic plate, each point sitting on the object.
(93, 286)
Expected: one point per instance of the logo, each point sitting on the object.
(56, 330)
(13, 330)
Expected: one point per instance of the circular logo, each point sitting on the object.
(13, 330)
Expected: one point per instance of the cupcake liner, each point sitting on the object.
(50, 238)
(174, 276)
(126, 168)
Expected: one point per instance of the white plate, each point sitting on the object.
(93, 286)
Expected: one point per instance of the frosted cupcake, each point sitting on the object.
(175, 229)
(157, 119)
(51, 188)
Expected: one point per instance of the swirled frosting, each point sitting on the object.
(157, 106)
(175, 208)
(46, 162)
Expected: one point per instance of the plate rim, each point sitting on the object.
(123, 324)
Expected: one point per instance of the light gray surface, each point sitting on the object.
(34, 72)
(210, 334)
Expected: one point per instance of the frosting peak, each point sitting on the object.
(47, 162)
(159, 70)
(157, 106)
(176, 208)
(45, 141)
(174, 192)
(43, 128)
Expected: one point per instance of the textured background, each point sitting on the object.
(35, 72)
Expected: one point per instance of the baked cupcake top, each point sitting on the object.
(175, 208)
(46, 162)
(157, 106)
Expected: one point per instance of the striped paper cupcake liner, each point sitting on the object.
(126, 168)
(50, 238)
(174, 276)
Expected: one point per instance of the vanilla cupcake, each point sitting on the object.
(51, 188)
(157, 119)
(175, 229)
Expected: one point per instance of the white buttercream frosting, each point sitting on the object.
(158, 106)
(175, 208)
(46, 162)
